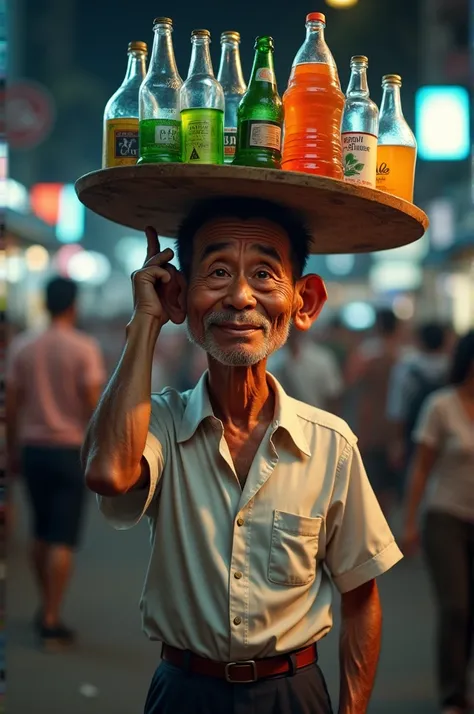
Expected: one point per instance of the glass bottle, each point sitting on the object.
(160, 121)
(260, 113)
(202, 106)
(313, 105)
(232, 82)
(360, 128)
(120, 137)
(396, 150)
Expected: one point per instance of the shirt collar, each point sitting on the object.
(286, 417)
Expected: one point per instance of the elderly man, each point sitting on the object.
(256, 501)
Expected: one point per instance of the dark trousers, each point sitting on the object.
(172, 691)
(448, 544)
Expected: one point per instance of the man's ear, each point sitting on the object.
(173, 295)
(310, 296)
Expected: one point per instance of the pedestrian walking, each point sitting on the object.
(258, 503)
(54, 378)
(445, 455)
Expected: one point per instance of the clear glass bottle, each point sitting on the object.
(232, 82)
(202, 106)
(360, 128)
(396, 150)
(120, 138)
(260, 113)
(160, 121)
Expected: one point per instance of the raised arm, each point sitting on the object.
(112, 453)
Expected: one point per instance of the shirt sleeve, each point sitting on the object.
(429, 426)
(93, 368)
(359, 543)
(125, 511)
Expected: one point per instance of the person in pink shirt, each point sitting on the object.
(54, 379)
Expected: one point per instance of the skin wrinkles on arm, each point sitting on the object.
(359, 647)
(112, 453)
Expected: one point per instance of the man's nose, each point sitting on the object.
(240, 295)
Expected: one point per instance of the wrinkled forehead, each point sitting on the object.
(237, 234)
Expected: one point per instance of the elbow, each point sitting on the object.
(104, 482)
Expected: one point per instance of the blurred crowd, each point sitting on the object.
(406, 390)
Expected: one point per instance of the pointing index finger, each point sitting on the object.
(153, 244)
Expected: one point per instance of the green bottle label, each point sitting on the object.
(261, 133)
(265, 74)
(167, 134)
(203, 136)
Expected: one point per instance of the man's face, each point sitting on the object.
(241, 289)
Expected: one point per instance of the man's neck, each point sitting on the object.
(62, 321)
(240, 396)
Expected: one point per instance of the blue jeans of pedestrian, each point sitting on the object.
(173, 691)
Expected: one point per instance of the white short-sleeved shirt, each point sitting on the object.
(444, 425)
(241, 574)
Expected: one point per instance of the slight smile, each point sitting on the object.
(237, 329)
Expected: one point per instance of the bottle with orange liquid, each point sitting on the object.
(313, 105)
(396, 150)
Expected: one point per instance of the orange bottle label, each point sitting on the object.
(120, 142)
(396, 170)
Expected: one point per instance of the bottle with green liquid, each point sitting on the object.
(160, 122)
(202, 107)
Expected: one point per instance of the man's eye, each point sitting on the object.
(219, 273)
(263, 274)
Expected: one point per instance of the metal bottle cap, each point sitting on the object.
(162, 21)
(137, 46)
(392, 79)
(200, 33)
(232, 35)
(359, 59)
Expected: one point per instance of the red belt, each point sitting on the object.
(241, 672)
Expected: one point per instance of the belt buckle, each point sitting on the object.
(246, 663)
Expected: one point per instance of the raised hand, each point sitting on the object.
(149, 281)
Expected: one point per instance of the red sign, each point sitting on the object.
(29, 114)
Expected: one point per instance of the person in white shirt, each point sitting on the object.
(444, 436)
(307, 371)
(256, 501)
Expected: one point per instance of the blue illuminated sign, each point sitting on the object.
(443, 123)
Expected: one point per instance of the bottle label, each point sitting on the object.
(396, 170)
(120, 142)
(203, 139)
(167, 135)
(230, 142)
(359, 154)
(265, 74)
(261, 133)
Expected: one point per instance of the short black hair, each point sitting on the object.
(244, 208)
(386, 321)
(463, 359)
(61, 294)
(432, 336)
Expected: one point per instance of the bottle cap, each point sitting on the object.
(137, 46)
(359, 59)
(200, 33)
(264, 39)
(162, 21)
(230, 35)
(392, 79)
(316, 17)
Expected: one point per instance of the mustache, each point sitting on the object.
(239, 318)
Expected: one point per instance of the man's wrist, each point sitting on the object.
(143, 325)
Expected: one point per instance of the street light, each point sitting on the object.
(341, 4)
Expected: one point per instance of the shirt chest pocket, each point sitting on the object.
(293, 549)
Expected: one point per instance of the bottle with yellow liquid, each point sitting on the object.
(120, 144)
(396, 150)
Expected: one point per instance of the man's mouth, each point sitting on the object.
(237, 328)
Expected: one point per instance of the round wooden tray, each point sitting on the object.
(343, 218)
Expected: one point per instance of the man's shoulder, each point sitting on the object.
(171, 400)
(321, 419)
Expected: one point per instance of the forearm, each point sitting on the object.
(359, 647)
(116, 435)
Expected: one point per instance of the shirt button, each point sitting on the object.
(237, 620)
(237, 575)
(240, 521)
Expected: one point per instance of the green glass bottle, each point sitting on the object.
(260, 113)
